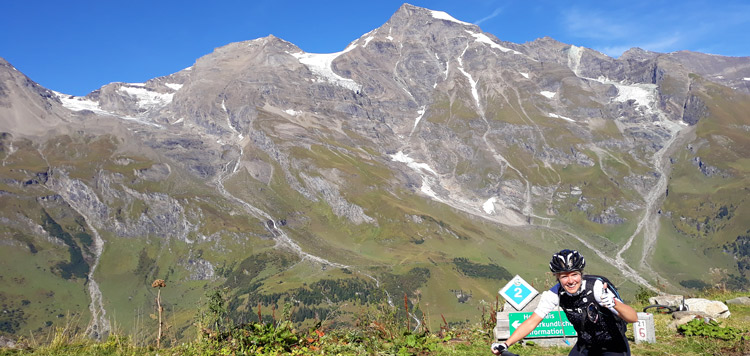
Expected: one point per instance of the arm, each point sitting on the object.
(625, 311)
(607, 297)
(549, 300)
(524, 329)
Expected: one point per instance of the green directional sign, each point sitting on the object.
(551, 325)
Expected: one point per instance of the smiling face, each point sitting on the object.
(570, 281)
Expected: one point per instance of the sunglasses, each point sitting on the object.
(592, 313)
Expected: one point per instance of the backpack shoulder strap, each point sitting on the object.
(622, 324)
(611, 286)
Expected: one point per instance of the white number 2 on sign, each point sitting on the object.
(518, 293)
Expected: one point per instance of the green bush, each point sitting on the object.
(711, 329)
(643, 294)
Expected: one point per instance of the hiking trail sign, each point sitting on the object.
(518, 292)
(555, 324)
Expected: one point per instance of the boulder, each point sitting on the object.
(713, 308)
(680, 315)
(667, 299)
(684, 317)
(739, 301)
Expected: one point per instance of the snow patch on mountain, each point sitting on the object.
(368, 37)
(548, 94)
(560, 117)
(440, 15)
(174, 86)
(642, 94)
(78, 103)
(321, 65)
(229, 120)
(525, 75)
(423, 169)
(481, 37)
(426, 189)
(489, 205)
(421, 114)
(404, 158)
(474, 91)
(146, 99)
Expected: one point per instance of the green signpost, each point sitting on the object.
(551, 326)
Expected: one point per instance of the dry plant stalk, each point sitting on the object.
(444, 327)
(159, 283)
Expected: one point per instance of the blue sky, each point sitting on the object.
(75, 47)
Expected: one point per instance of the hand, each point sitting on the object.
(498, 348)
(607, 298)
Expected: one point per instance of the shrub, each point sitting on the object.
(712, 329)
(643, 294)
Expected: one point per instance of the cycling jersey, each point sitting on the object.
(600, 330)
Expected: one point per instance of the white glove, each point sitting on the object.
(498, 348)
(606, 298)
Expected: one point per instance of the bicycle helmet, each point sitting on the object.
(567, 261)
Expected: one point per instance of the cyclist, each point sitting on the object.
(591, 304)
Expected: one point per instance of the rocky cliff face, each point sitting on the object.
(422, 141)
